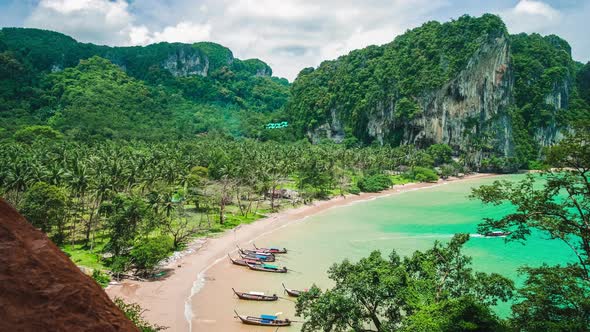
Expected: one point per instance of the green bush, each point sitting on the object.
(423, 174)
(354, 190)
(33, 133)
(102, 279)
(535, 164)
(147, 253)
(374, 183)
(134, 312)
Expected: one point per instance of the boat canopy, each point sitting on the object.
(268, 317)
(256, 293)
(269, 266)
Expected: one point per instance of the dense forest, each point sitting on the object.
(122, 155)
(162, 91)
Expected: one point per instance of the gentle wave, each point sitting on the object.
(198, 284)
(426, 236)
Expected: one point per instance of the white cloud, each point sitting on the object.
(537, 8)
(531, 16)
(184, 32)
(287, 34)
(99, 21)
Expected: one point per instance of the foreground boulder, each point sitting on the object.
(42, 290)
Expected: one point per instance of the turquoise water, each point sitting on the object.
(403, 222)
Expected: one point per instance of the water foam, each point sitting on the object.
(198, 284)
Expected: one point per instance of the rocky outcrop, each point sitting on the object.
(186, 63)
(333, 130)
(558, 101)
(470, 105)
(42, 290)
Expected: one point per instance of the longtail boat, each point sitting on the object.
(244, 262)
(271, 250)
(264, 320)
(497, 234)
(267, 268)
(255, 296)
(254, 252)
(292, 292)
(256, 257)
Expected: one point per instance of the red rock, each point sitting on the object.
(41, 289)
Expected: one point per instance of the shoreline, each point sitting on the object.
(168, 301)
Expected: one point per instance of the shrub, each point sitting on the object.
(102, 279)
(147, 253)
(32, 133)
(354, 190)
(134, 313)
(422, 174)
(374, 183)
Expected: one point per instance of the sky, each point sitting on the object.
(289, 35)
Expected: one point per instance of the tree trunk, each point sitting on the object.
(221, 209)
(272, 198)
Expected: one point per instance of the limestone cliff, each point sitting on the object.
(466, 83)
(473, 102)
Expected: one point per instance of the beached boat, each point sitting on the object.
(263, 320)
(254, 252)
(255, 296)
(244, 261)
(292, 292)
(256, 257)
(497, 234)
(267, 268)
(271, 250)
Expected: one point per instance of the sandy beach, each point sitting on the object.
(169, 301)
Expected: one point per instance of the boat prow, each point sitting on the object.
(292, 292)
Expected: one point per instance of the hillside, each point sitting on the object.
(466, 83)
(160, 90)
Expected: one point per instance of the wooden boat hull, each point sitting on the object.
(497, 234)
(257, 321)
(255, 297)
(271, 250)
(292, 292)
(243, 262)
(255, 252)
(262, 258)
(260, 268)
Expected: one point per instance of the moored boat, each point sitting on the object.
(292, 292)
(267, 268)
(263, 320)
(271, 250)
(497, 234)
(255, 252)
(244, 261)
(255, 296)
(262, 258)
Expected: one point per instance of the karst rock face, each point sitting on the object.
(480, 95)
(41, 289)
(481, 91)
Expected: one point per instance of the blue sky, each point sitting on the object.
(287, 34)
